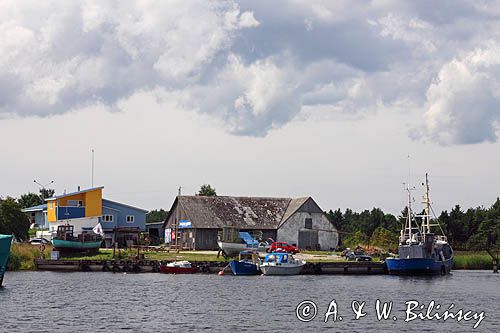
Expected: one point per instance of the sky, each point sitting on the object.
(339, 100)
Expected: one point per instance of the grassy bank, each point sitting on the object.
(472, 260)
(22, 256)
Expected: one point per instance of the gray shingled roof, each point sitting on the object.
(238, 212)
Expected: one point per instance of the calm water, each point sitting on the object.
(70, 302)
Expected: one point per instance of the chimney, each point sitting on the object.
(78, 188)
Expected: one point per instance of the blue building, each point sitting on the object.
(121, 223)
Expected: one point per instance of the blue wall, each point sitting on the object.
(120, 212)
(70, 212)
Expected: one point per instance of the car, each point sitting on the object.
(39, 241)
(356, 255)
(283, 247)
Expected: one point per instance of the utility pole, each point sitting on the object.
(92, 167)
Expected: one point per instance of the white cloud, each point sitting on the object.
(463, 104)
(253, 67)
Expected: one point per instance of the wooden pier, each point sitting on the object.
(153, 266)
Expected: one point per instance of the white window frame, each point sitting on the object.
(110, 218)
(130, 219)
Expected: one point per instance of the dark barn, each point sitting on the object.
(296, 221)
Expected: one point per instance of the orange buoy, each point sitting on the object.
(221, 273)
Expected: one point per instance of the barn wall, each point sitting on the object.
(327, 234)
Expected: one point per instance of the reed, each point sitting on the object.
(22, 256)
(472, 260)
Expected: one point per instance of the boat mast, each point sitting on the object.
(427, 202)
(408, 217)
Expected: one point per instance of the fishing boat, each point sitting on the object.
(279, 263)
(247, 263)
(178, 267)
(5, 241)
(421, 251)
(65, 241)
(243, 242)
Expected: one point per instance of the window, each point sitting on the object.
(130, 218)
(75, 203)
(309, 223)
(107, 218)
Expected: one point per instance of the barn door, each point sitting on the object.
(308, 239)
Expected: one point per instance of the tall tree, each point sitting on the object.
(46, 193)
(207, 191)
(29, 200)
(12, 220)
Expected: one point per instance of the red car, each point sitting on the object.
(283, 247)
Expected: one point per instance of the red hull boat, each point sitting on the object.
(178, 267)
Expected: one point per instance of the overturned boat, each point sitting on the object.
(244, 242)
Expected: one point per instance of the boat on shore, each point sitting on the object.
(178, 267)
(244, 242)
(280, 263)
(246, 264)
(421, 251)
(5, 242)
(65, 241)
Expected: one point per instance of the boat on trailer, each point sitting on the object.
(5, 242)
(420, 250)
(66, 241)
(243, 242)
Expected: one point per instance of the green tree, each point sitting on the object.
(207, 191)
(29, 200)
(46, 193)
(12, 220)
(156, 215)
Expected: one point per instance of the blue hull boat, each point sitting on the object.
(421, 251)
(5, 241)
(247, 263)
(417, 266)
(244, 267)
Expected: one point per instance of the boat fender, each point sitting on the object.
(152, 263)
(126, 268)
(122, 262)
(105, 267)
(116, 269)
(141, 263)
(136, 269)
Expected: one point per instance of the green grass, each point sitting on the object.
(472, 260)
(22, 256)
(107, 254)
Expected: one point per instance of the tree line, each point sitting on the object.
(472, 229)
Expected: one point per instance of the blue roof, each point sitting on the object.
(36, 208)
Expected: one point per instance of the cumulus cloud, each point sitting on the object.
(463, 104)
(254, 67)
